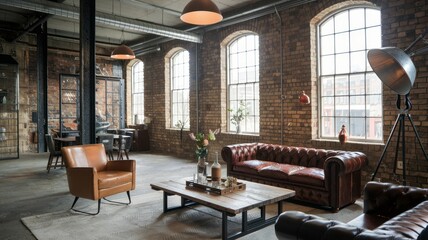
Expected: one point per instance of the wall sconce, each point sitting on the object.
(3, 94)
(304, 99)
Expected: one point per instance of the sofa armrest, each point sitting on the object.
(121, 165)
(295, 225)
(232, 154)
(389, 200)
(83, 182)
(346, 162)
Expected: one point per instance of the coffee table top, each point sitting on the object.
(255, 195)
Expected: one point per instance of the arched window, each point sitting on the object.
(350, 92)
(138, 92)
(243, 83)
(180, 89)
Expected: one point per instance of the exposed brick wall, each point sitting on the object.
(282, 118)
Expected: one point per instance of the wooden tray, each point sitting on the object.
(220, 189)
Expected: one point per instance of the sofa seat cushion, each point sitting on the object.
(109, 179)
(251, 166)
(279, 170)
(408, 224)
(308, 176)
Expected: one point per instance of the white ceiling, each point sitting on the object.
(162, 12)
(160, 15)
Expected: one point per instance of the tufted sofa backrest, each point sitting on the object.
(306, 157)
(388, 199)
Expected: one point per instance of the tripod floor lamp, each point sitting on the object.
(395, 69)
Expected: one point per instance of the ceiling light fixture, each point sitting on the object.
(123, 52)
(201, 12)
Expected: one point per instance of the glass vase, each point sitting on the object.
(216, 170)
(202, 170)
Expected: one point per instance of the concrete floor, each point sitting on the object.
(27, 189)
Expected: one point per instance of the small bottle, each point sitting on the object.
(343, 137)
(216, 170)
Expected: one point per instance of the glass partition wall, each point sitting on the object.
(9, 111)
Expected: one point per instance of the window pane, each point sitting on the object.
(327, 27)
(327, 86)
(372, 17)
(358, 40)
(374, 106)
(374, 84)
(138, 92)
(357, 84)
(358, 61)
(342, 42)
(342, 106)
(357, 106)
(357, 129)
(327, 45)
(327, 65)
(243, 81)
(350, 93)
(327, 106)
(327, 127)
(233, 76)
(341, 22)
(341, 86)
(342, 63)
(374, 37)
(356, 18)
(374, 128)
(180, 89)
(340, 121)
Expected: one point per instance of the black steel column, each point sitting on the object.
(87, 71)
(42, 86)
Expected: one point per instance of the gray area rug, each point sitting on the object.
(144, 219)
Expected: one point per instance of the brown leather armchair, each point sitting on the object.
(91, 176)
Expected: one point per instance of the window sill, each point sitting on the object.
(242, 134)
(349, 142)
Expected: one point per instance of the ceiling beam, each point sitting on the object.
(110, 20)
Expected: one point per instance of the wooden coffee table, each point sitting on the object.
(255, 195)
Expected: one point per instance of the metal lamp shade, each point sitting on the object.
(201, 12)
(123, 52)
(394, 68)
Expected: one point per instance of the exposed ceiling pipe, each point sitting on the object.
(232, 19)
(119, 22)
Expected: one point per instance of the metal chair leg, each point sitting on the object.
(48, 167)
(129, 199)
(75, 210)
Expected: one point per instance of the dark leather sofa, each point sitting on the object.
(390, 212)
(327, 178)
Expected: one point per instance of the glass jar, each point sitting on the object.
(216, 169)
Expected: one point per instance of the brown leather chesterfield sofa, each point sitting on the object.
(390, 212)
(326, 178)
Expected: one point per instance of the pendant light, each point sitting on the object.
(122, 52)
(201, 12)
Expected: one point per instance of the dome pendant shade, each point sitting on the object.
(394, 68)
(201, 12)
(123, 52)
